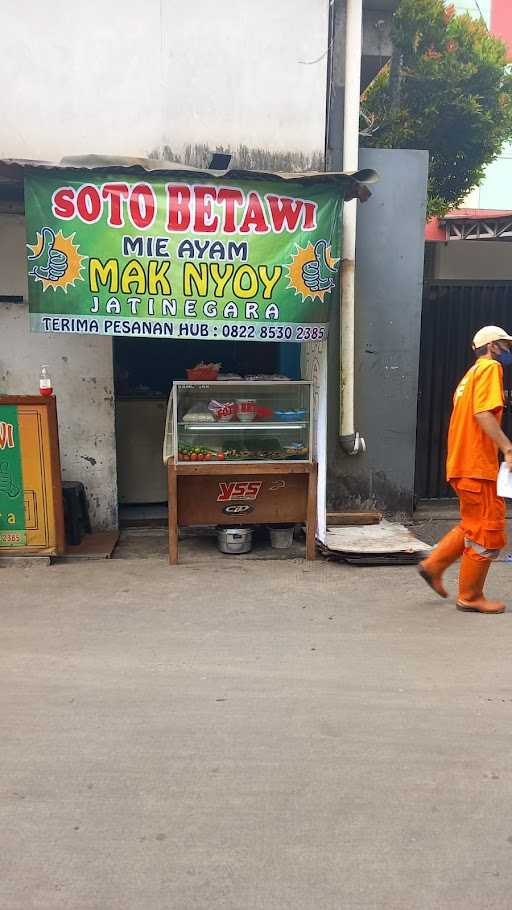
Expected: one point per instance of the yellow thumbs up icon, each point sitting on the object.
(317, 274)
(49, 264)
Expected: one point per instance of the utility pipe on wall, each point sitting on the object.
(351, 441)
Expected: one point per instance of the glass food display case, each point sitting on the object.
(240, 452)
(240, 422)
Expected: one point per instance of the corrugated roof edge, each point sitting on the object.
(16, 168)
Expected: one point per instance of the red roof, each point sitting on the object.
(434, 230)
(476, 214)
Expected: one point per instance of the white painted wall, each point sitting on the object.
(473, 260)
(81, 369)
(124, 77)
(121, 77)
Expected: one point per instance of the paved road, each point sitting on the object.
(251, 736)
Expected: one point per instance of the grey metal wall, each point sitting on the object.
(389, 276)
(452, 312)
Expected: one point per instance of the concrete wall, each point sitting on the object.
(126, 77)
(389, 276)
(501, 22)
(81, 369)
(473, 260)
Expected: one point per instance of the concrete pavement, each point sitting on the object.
(252, 736)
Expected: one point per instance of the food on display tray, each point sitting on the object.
(199, 453)
(246, 409)
(296, 450)
(198, 413)
(223, 411)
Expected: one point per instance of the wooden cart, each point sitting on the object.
(233, 494)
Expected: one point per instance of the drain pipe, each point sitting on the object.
(351, 442)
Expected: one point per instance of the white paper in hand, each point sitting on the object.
(505, 481)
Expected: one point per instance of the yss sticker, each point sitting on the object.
(240, 490)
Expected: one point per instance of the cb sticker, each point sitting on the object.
(238, 509)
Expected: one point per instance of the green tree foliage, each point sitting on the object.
(447, 90)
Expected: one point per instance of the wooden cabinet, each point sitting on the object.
(245, 494)
(31, 510)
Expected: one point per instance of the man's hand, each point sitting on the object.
(490, 425)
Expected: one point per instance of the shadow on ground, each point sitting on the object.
(200, 548)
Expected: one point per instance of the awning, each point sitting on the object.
(13, 171)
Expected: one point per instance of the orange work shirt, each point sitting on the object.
(471, 453)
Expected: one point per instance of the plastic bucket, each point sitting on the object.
(281, 538)
(234, 540)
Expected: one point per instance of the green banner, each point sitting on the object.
(12, 507)
(184, 258)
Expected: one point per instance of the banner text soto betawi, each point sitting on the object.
(182, 255)
(189, 208)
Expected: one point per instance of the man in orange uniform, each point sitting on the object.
(474, 437)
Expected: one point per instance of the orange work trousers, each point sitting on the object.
(482, 514)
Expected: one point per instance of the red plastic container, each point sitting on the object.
(202, 375)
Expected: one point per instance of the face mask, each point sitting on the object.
(505, 358)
